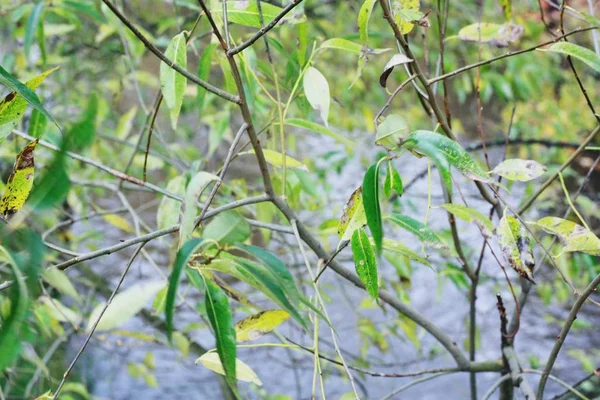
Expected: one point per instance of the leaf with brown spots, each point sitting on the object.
(515, 242)
(19, 183)
(256, 326)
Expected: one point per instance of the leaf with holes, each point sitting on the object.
(590, 58)
(20, 182)
(353, 217)
(365, 262)
(519, 170)
(371, 204)
(420, 230)
(445, 152)
(470, 215)
(572, 236)
(258, 325)
(172, 83)
(515, 242)
(316, 90)
(221, 320)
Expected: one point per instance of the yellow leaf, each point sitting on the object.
(257, 325)
(118, 222)
(19, 183)
(275, 158)
(404, 7)
(243, 372)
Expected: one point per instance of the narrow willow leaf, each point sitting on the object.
(402, 8)
(125, 123)
(445, 152)
(37, 124)
(573, 237)
(172, 83)
(203, 73)
(519, 170)
(118, 222)
(219, 315)
(243, 372)
(420, 230)
(365, 262)
(181, 260)
(515, 243)
(506, 8)
(13, 106)
(342, 44)
(494, 34)
(83, 132)
(31, 26)
(363, 19)
(316, 90)
(276, 159)
(279, 270)
(228, 227)
(53, 186)
(169, 209)
(246, 13)
(392, 181)
(581, 53)
(392, 131)
(398, 249)
(20, 182)
(124, 305)
(59, 311)
(371, 204)
(61, 282)
(312, 126)
(353, 217)
(397, 59)
(258, 325)
(188, 207)
(470, 215)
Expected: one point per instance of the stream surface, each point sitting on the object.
(288, 372)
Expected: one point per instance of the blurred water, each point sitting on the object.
(290, 372)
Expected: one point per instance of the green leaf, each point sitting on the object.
(243, 372)
(581, 53)
(445, 152)
(31, 26)
(61, 282)
(370, 191)
(203, 73)
(403, 8)
(125, 123)
(53, 186)
(19, 183)
(258, 325)
(13, 106)
(124, 305)
(172, 83)
(494, 34)
(506, 8)
(515, 243)
(316, 90)
(37, 124)
(228, 227)
(364, 261)
(246, 13)
(519, 170)
(169, 209)
(470, 215)
(398, 249)
(363, 19)
(275, 158)
(219, 315)
(312, 126)
(181, 260)
(188, 208)
(392, 131)
(342, 44)
(573, 237)
(420, 230)
(82, 133)
(392, 181)
(371, 204)
(353, 217)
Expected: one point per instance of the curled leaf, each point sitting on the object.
(515, 243)
(243, 372)
(392, 181)
(256, 326)
(20, 182)
(397, 59)
(519, 170)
